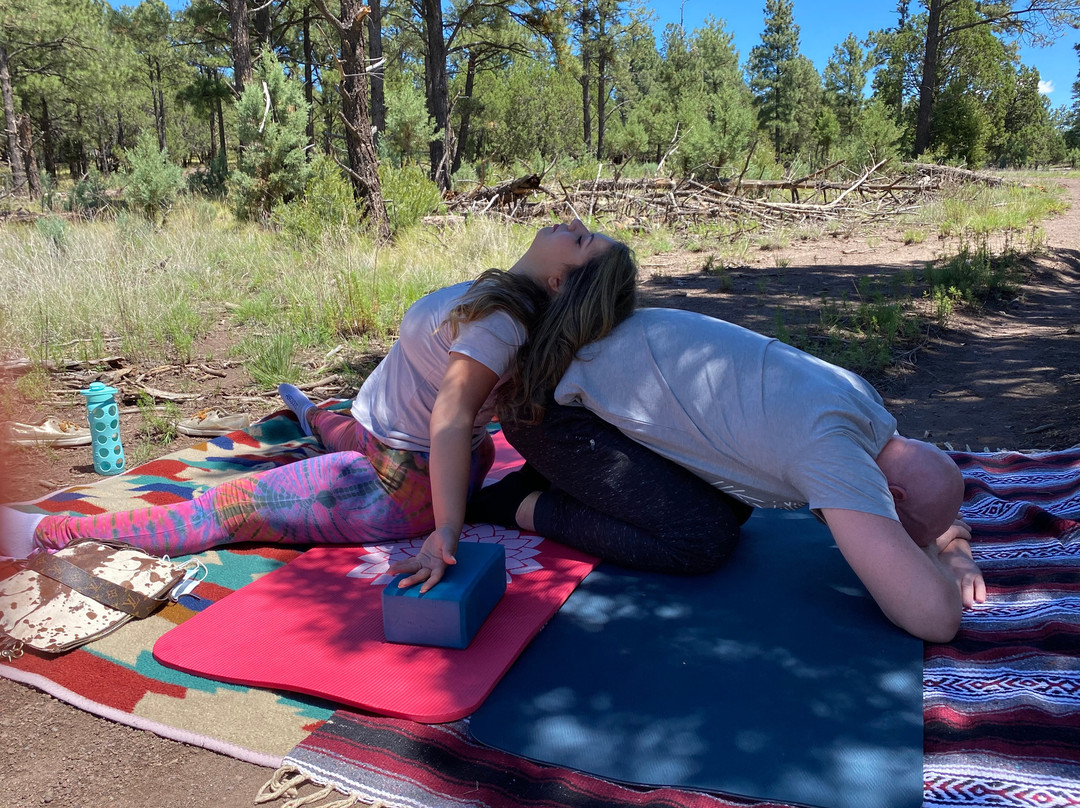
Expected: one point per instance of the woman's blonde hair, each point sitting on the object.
(594, 299)
(495, 290)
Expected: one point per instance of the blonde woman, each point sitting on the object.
(402, 463)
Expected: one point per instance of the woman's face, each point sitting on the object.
(558, 250)
(570, 245)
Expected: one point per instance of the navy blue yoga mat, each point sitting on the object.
(775, 678)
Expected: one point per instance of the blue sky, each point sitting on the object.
(823, 24)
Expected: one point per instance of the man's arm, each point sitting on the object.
(912, 585)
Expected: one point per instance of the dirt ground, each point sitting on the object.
(1006, 377)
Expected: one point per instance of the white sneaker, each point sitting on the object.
(211, 423)
(54, 432)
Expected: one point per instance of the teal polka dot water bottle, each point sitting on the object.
(105, 428)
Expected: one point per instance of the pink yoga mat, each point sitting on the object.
(315, 626)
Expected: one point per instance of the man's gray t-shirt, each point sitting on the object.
(758, 419)
(395, 402)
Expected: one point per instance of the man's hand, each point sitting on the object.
(959, 530)
(953, 550)
(429, 565)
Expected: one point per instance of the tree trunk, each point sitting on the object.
(375, 53)
(902, 10)
(18, 173)
(263, 25)
(777, 111)
(84, 165)
(29, 159)
(153, 96)
(213, 135)
(466, 112)
(309, 78)
(928, 85)
(47, 149)
(601, 86)
(221, 130)
(438, 90)
(119, 134)
(586, 78)
(162, 143)
(241, 44)
(355, 93)
(100, 153)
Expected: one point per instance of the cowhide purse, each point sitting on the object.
(62, 600)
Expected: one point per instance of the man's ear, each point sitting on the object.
(899, 493)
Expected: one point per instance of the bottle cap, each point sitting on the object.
(98, 393)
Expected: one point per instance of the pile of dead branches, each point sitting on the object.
(755, 204)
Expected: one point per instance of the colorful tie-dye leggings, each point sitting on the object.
(360, 492)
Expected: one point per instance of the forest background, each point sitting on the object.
(473, 92)
(176, 165)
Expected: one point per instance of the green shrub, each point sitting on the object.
(151, 181)
(327, 205)
(212, 179)
(409, 195)
(945, 300)
(976, 276)
(272, 167)
(48, 192)
(89, 193)
(54, 230)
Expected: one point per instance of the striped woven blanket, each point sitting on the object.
(1002, 701)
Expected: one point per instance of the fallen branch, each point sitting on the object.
(934, 171)
(863, 179)
(16, 365)
(166, 395)
(324, 382)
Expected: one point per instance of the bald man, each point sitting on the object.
(671, 400)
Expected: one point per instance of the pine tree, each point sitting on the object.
(946, 20)
(273, 119)
(724, 101)
(152, 181)
(771, 77)
(1072, 135)
(845, 80)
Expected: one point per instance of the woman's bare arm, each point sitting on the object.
(462, 393)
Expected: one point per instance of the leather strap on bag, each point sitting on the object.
(105, 592)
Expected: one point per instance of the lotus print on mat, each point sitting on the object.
(522, 550)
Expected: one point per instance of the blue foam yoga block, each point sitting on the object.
(451, 612)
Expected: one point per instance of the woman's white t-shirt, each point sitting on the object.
(396, 400)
